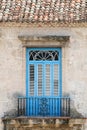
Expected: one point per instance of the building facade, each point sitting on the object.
(43, 50)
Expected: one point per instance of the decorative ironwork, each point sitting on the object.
(28, 106)
(43, 105)
(43, 55)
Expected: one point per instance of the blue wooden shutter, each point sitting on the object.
(43, 80)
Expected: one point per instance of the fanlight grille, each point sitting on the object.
(43, 55)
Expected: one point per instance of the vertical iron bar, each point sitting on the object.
(63, 106)
(66, 107)
(35, 106)
(29, 108)
(32, 106)
(18, 106)
(52, 107)
(56, 107)
(22, 106)
(69, 106)
(49, 106)
(25, 107)
(60, 106)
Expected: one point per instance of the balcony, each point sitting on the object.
(44, 107)
(43, 113)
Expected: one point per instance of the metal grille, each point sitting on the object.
(43, 55)
(41, 106)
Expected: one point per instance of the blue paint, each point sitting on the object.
(44, 83)
(27, 72)
(36, 79)
(27, 83)
(60, 80)
(35, 103)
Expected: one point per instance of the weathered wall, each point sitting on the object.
(12, 66)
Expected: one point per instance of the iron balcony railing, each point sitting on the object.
(44, 106)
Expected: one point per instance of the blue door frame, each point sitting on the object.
(31, 103)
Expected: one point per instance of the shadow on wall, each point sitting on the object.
(13, 112)
(73, 112)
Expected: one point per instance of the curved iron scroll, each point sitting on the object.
(44, 107)
(43, 55)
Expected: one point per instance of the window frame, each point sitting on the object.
(59, 49)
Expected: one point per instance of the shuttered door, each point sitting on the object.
(43, 81)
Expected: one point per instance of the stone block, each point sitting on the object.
(30, 123)
(76, 122)
(57, 123)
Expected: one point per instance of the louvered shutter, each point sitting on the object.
(56, 80)
(40, 79)
(31, 80)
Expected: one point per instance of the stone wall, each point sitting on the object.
(13, 70)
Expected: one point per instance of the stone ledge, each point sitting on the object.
(34, 117)
(25, 123)
(76, 122)
(44, 38)
(44, 41)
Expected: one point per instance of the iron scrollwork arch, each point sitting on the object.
(43, 55)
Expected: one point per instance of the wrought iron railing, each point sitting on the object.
(41, 106)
